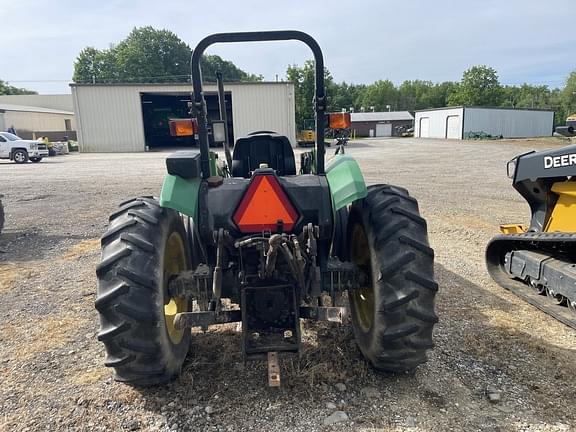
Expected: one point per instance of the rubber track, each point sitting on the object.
(553, 244)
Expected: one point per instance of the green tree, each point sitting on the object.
(93, 65)
(345, 96)
(530, 96)
(510, 96)
(479, 87)
(150, 55)
(303, 93)
(304, 84)
(414, 95)
(6, 89)
(568, 95)
(556, 104)
(440, 94)
(379, 95)
(230, 72)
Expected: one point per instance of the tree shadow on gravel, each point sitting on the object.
(479, 344)
(31, 245)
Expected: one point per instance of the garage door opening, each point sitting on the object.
(159, 108)
(384, 129)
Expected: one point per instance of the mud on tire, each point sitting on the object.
(136, 328)
(393, 311)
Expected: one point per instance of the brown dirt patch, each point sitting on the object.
(80, 249)
(51, 332)
(9, 273)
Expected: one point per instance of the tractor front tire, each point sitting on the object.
(393, 308)
(144, 245)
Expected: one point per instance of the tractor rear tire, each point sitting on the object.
(393, 309)
(144, 245)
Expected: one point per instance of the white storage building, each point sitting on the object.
(462, 122)
(133, 117)
(32, 121)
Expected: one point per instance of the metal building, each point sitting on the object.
(380, 124)
(465, 122)
(32, 121)
(133, 117)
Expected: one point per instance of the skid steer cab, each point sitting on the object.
(249, 240)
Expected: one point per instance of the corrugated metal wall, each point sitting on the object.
(34, 121)
(438, 120)
(509, 123)
(264, 107)
(110, 117)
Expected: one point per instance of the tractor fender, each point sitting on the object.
(181, 195)
(345, 181)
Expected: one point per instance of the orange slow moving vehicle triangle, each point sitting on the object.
(263, 205)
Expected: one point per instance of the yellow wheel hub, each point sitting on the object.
(362, 298)
(174, 262)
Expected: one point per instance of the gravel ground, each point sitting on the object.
(499, 364)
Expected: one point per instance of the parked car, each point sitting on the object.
(20, 150)
(404, 131)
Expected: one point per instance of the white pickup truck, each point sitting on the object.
(19, 150)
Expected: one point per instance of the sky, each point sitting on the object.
(363, 41)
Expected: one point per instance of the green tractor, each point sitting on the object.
(259, 244)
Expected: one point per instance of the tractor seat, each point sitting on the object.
(263, 147)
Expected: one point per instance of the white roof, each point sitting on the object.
(11, 107)
(380, 116)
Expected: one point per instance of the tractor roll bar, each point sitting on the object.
(200, 103)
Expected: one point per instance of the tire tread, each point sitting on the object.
(404, 314)
(132, 324)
